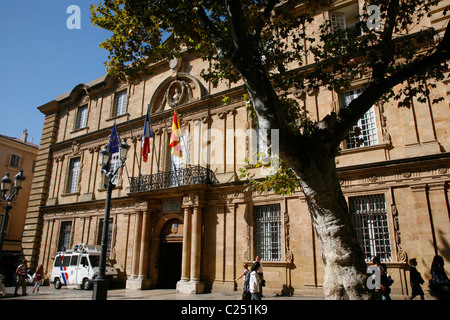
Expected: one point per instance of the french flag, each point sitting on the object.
(146, 138)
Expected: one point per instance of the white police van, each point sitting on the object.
(79, 267)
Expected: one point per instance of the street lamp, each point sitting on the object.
(8, 194)
(101, 283)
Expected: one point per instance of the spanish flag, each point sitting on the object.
(175, 143)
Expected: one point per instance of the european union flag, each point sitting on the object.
(113, 141)
(113, 147)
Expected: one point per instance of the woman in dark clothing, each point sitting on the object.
(439, 283)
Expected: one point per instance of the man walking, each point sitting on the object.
(21, 273)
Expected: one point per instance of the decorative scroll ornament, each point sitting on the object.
(402, 256)
(289, 255)
(248, 236)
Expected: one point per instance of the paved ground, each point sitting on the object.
(167, 304)
(50, 293)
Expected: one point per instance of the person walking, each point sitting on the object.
(254, 282)
(386, 282)
(376, 295)
(262, 282)
(38, 278)
(21, 273)
(440, 283)
(246, 275)
(416, 281)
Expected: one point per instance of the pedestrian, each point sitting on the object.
(254, 282)
(439, 284)
(386, 282)
(246, 275)
(262, 282)
(38, 278)
(377, 292)
(2, 287)
(416, 281)
(21, 273)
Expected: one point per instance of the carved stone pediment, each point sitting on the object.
(176, 91)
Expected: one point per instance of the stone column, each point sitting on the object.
(132, 281)
(190, 271)
(137, 229)
(186, 258)
(196, 245)
(421, 221)
(144, 247)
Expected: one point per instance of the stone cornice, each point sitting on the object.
(202, 109)
(409, 171)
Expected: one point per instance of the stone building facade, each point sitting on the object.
(190, 224)
(15, 154)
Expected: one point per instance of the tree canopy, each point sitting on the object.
(271, 38)
(277, 47)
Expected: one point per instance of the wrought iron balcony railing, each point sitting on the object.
(191, 175)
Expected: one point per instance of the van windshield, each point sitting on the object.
(95, 261)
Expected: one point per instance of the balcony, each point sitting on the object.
(191, 175)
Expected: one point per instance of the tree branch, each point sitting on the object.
(238, 30)
(208, 28)
(378, 87)
(266, 14)
(387, 45)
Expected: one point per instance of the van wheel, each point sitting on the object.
(58, 284)
(86, 284)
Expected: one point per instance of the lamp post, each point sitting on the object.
(8, 194)
(101, 283)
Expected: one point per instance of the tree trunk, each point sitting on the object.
(312, 156)
(343, 259)
(314, 164)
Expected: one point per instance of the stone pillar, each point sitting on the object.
(422, 226)
(137, 229)
(196, 245)
(186, 259)
(192, 247)
(144, 247)
(439, 216)
(138, 279)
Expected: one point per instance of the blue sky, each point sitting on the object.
(41, 58)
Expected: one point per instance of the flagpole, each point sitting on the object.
(184, 143)
(118, 139)
(190, 168)
(134, 145)
(173, 164)
(153, 138)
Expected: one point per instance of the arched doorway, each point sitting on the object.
(170, 252)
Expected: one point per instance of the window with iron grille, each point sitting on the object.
(369, 218)
(367, 124)
(64, 235)
(268, 232)
(74, 174)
